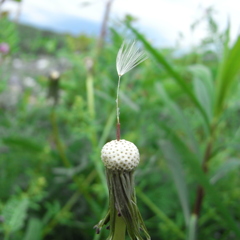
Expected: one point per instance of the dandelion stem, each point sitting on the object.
(118, 131)
(90, 95)
(120, 228)
(117, 100)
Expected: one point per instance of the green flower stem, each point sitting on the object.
(117, 100)
(57, 140)
(92, 114)
(120, 228)
(192, 229)
(90, 95)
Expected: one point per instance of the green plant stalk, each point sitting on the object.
(57, 140)
(90, 95)
(91, 111)
(117, 100)
(200, 190)
(120, 228)
(192, 229)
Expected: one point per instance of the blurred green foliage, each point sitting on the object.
(182, 112)
(9, 33)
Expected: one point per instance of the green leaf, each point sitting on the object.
(181, 122)
(171, 71)
(229, 68)
(174, 162)
(224, 169)
(129, 102)
(107, 129)
(14, 213)
(203, 87)
(34, 230)
(24, 143)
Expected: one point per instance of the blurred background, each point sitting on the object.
(180, 107)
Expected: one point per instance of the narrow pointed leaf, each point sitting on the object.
(181, 122)
(172, 72)
(203, 87)
(34, 229)
(228, 71)
(224, 169)
(174, 162)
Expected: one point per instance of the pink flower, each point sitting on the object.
(4, 48)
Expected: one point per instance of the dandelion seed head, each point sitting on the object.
(120, 155)
(128, 57)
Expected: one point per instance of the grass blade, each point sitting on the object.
(34, 229)
(203, 87)
(107, 129)
(180, 120)
(224, 169)
(179, 80)
(175, 166)
(15, 213)
(228, 72)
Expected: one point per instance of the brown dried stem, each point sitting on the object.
(118, 131)
(200, 190)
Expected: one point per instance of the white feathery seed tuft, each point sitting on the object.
(120, 155)
(128, 57)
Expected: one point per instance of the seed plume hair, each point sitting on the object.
(128, 57)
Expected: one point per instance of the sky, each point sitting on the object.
(160, 20)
